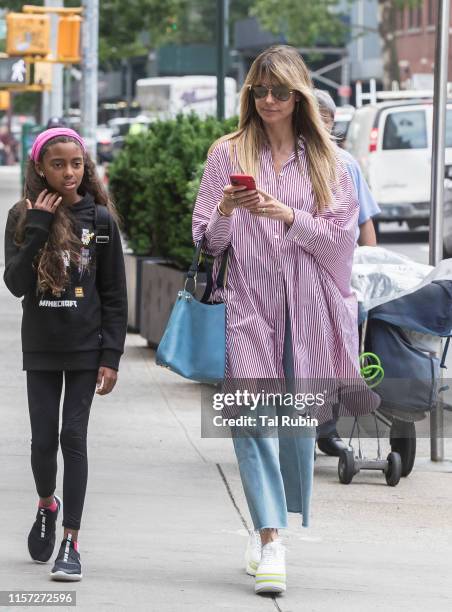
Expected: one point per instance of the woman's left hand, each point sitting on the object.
(272, 208)
(106, 380)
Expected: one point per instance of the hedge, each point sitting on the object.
(154, 181)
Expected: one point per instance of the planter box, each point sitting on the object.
(133, 265)
(159, 287)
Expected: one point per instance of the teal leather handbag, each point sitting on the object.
(194, 341)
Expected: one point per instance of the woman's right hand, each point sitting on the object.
(237, 195)
(45, 201)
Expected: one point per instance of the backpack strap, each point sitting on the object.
(102, 225)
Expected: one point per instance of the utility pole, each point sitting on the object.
(128, 74)
(67, 90)
(90, 48)
(344, 89)
(52, 101)
(437, 187)
(222, 43)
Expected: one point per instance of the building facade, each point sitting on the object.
(415, 39)
(364, 48)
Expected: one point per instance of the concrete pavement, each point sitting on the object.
(165, 519)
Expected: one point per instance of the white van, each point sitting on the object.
(392, 142)
(165, 97)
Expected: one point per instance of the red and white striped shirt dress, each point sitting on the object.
(306, 266)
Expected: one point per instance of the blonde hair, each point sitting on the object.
(283, 64)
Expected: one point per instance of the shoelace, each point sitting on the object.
(272, 552)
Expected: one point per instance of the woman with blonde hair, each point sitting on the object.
(290, 311)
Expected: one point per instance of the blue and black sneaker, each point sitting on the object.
(41, 539)
(67, 566)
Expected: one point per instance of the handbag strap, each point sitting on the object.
(221, 277)
(194, 268)
(223, 271)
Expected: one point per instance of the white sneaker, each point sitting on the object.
(271, 572)
(253, 553)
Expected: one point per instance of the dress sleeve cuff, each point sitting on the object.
(219, 231)
(304, 229)
(218, 222)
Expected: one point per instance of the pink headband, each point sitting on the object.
(47, 135)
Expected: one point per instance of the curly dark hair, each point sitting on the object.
(51, 270)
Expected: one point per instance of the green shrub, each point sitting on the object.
(154, 181)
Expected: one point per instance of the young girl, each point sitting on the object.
(63, 255)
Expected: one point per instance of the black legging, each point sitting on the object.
(44, 394)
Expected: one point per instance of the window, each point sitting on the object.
(419, 17)
(415, 17)
(405, 130)
(432, 11)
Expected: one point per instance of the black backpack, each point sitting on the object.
(102, 225)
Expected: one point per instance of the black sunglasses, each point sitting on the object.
(280, 92)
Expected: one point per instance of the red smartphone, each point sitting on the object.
(243, 179)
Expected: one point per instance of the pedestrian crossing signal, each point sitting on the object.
(4, 100)
(27, 34)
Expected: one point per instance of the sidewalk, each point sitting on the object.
(165, 519)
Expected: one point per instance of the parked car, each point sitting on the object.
(342, 119)
(392, 142)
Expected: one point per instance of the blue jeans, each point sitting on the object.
(277, 472)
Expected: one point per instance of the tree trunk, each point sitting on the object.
(387, 15)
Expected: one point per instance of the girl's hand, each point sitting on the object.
(106, 380)
(237, 195)
(270, 207)
(46, 201)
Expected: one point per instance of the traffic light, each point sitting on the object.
(69, 39)
(42, 75)
(4, 100)
(27, 34)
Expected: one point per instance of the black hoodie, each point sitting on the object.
(85, 327)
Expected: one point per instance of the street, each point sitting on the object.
(165, 521)
(10, 194)
(413, 244)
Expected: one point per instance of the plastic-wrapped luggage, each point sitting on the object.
(405, 309)
(408, 310)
